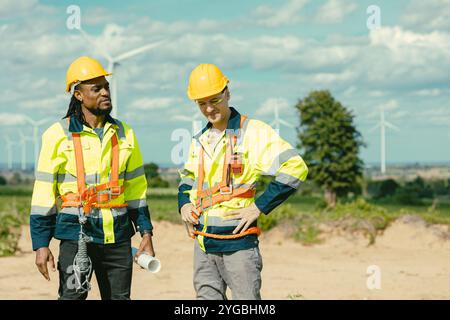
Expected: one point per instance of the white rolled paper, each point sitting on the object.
(146, 261)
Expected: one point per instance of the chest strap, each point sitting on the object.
(96, 196)
(223, 191)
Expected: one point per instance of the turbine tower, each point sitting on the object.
(35, 124)
(23, 142)
(8, 146)
(113, 63)
(278, 121)
(383, 124)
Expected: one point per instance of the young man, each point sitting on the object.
(216, 195)
(93, 163)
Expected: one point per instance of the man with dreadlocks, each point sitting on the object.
(92, 163)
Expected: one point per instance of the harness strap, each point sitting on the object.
(224, 190)
(95, 196)
(252, 230)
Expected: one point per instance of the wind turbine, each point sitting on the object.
(113, 63)
(277, 122)
(383, 124)
(23, 141)
(35, 124)
(8, 145)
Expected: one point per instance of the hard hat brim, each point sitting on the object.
(88, 78)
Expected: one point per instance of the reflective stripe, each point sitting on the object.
(108, 226)
(65, 126)
(44, 211)
(214, 221)
(244, 185)
(186, 181)
(280, 159)
(45, 176)
(288, 180)
(139, 171)
(235, 185)
(121, 129)
(68, 177)
(185, 172)
(95, 213)
(242, 132)
(139, 203)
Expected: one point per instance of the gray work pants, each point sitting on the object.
(238, 270)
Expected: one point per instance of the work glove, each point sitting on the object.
(186, 213)
(188, 219)
(44, 255)
(247, 215)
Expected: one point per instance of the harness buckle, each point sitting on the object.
(100, 193)
(116, 193)
(227, 192)
(209, 196)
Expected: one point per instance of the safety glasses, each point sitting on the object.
(213, 102)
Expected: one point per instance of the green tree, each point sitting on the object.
(154, 180)
(2, 181)
(330, 144)
(383, 188)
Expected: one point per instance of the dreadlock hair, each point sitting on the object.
(75, 109)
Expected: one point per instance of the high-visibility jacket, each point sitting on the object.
(56, 175)
(263, 152)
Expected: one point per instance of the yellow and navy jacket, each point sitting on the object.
(263, 152)
(56, 175)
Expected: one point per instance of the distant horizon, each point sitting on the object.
(29, 166)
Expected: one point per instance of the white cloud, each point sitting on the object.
(58, 102)
(427, 15)
(428, 92)
(376, 93)
(334, 11)
(155, 103)
(439, 116)
(11, 119)
(11, 8)
(402, 58)
(328, 78)
(388, 107)
(269, 105)
(287, 14)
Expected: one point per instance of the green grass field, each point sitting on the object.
(305, 213)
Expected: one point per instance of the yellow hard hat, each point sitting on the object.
(206, 80)
(82, 69)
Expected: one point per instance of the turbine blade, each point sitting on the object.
(137, 51)
(287, 124)
(42, 121)
(92, 42)
(374, 127)
(390, 125)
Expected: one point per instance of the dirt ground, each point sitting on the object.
(411, 260)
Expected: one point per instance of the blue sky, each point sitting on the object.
(274, 52)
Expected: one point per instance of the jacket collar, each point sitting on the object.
(234, 122)
(76, 125)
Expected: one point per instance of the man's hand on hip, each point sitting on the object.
(44, 255)
(247, 216)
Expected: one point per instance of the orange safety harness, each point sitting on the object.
(95, 196)
(223, 191)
